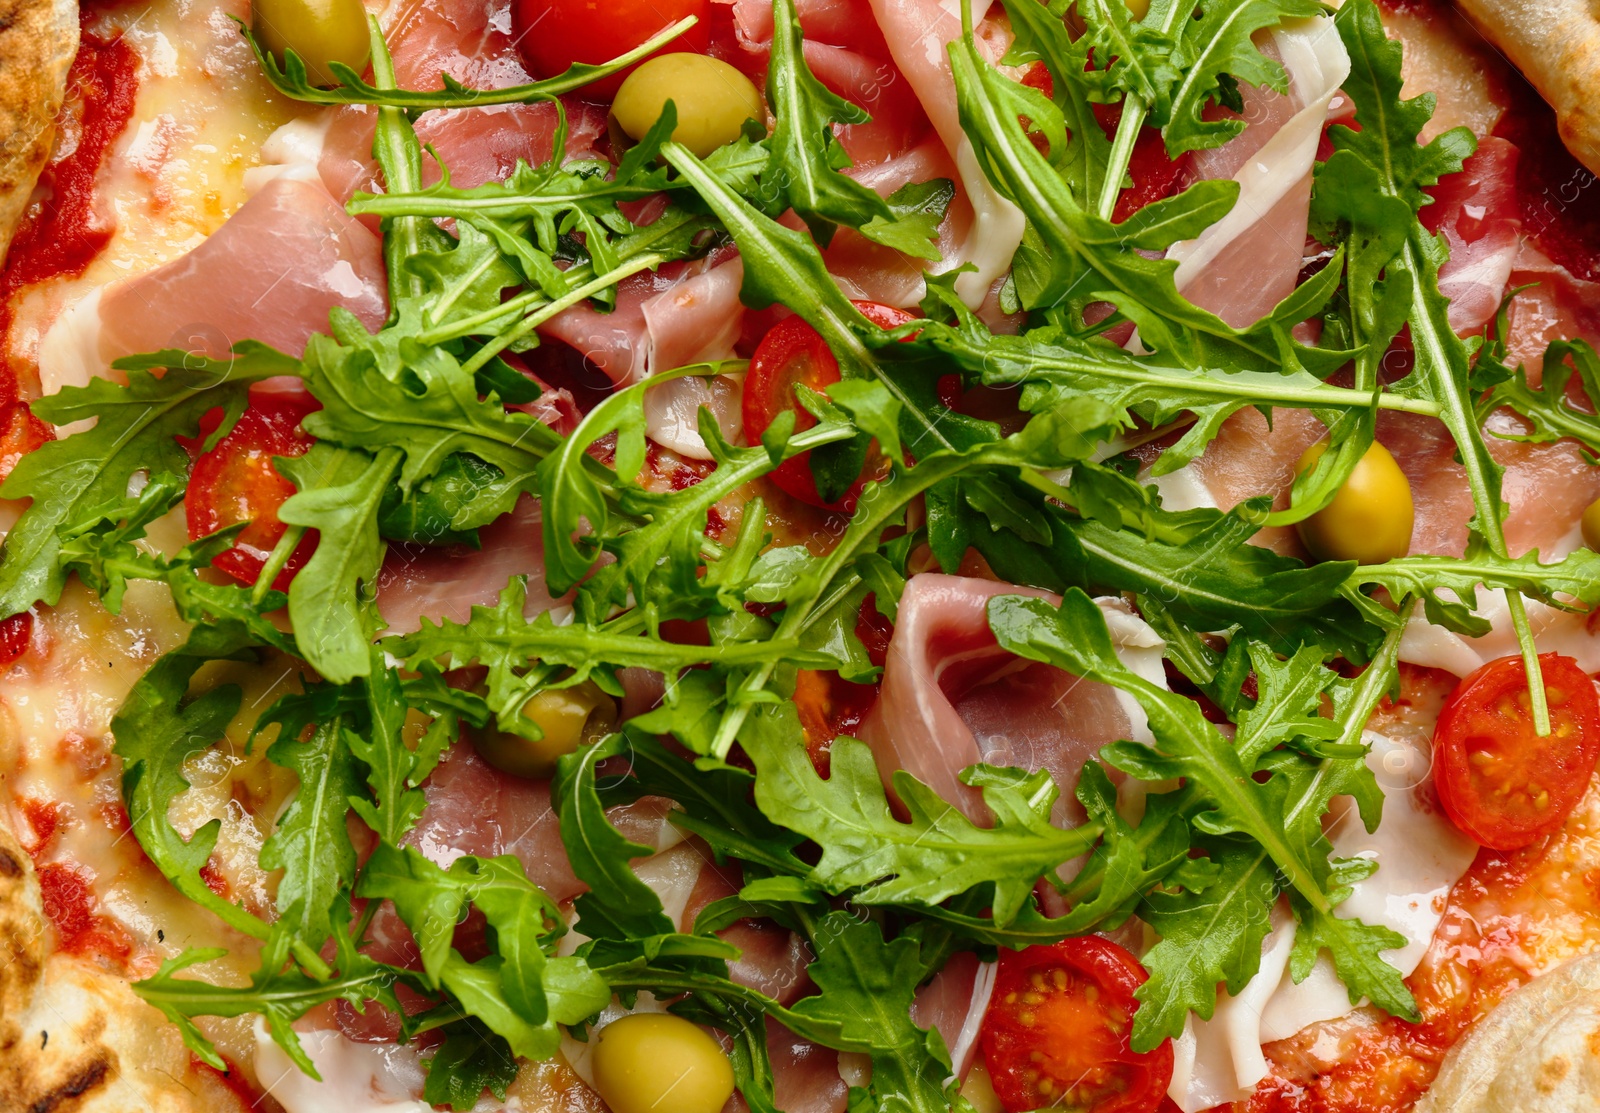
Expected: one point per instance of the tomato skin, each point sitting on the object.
(1499, 782)
(16, 634)
(553, 34)
(237, 482)
(793, 353)
(1057, 1031)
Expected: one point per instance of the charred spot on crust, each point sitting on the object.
(87, 1077)
(9, 866)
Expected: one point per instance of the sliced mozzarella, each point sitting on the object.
(1421, 856)
(1555, 630)
(294, 150)
(1183, 489)
(996, 230)
(69, 354)
(356, 1077)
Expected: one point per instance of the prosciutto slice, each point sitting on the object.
(916, 32)
(1242, 266)
(951, 697)
(270, 273)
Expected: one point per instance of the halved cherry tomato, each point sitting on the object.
(1497, 780)
(236, 482)
(1056, 1033)
(792, 353)
(828, 704)
(16, 634)
(553, 34)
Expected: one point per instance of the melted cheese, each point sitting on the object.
(356, 1077)
(178, 171)
(1556, 631)
(1421, 856)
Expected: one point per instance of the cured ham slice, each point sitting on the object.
(1476, 210)
(916, 32)
(1250, 260)
(446, 582)
(953, 1002)
(270, 273)
(951, 697)
(476, 145)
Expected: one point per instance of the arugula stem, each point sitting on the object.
(1460, 416)
(398, 154)
(281, 552)
(566, 301)
(1134, 111)
(352, 90)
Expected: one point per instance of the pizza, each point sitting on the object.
(831, 556)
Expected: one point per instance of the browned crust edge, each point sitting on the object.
(38, 39)
(1556, 45)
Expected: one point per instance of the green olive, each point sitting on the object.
(567, 718)
(712, 98)
(1590, 524)
(660, 1063)
(320, 31)
(1369, 521)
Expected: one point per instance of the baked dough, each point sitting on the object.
(73, 1036)
(1538, 1051)
(1556, 45)
(38, 39)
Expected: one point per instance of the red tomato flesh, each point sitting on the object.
(553, 34)
(793, 354)
(16, 634)
(236, 482)
(1056, 1033)
(1498, 781)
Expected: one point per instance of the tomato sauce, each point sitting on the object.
(67, 893)
(1511, 915)
(63, 233)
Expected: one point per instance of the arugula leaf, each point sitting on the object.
(1282, 816)
(867, 986)
(1220, 44)
(803, 155)
(330, 600)
(469, 1062)
(395, 772)
(135, 430)
(157, 728)
(1209, 937)
(937, 854)
(291, 79)
(618, 904)
(1569, 583)
(311, 844)
(1548, 406)
(430, 415)
(280, 993)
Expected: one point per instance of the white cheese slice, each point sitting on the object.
(356, 1077)
(1421, 855)
(996, 230)
(1555, 630)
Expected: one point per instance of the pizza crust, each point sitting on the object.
(1556, 45)
(74, 1036)
(38, 39)
(1538, 1051)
